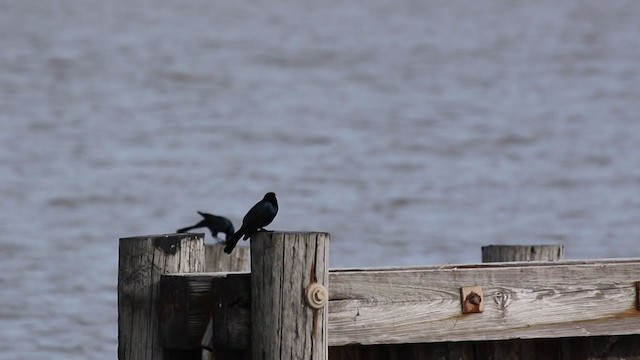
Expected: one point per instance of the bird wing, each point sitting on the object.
(260, 215)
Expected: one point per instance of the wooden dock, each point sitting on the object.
(291, 306)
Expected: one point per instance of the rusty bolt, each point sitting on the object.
(471, 300)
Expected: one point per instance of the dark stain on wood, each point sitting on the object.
(168, 244)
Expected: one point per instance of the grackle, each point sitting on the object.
(259, 216)
(216, 224)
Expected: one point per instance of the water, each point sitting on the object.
(414, 131)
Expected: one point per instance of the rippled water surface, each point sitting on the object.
(413, 131)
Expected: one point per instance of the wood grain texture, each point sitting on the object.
(526, 299)
(502, 253)
(283, 265)
(556, 300)
(142, 261)
(217, 260)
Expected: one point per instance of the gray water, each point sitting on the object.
(413, 131)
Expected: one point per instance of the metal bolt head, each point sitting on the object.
(316, 296)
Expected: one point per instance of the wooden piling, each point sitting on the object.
(506, 253)
(142, 261)
(289, 282)
(217, 260)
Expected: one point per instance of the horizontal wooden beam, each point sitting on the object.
(521, 300)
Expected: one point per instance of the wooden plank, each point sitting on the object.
(285, 323)
(522, 300)
(556, 300)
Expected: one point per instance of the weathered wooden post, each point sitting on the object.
(142, 261)
(217, 260)
(289, 295)
(507, 253)
(510, 253)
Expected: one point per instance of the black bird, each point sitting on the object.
(259, 216)
(215, 224)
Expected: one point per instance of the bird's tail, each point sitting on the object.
(233, 241)
(183, 230)
(228, 234)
